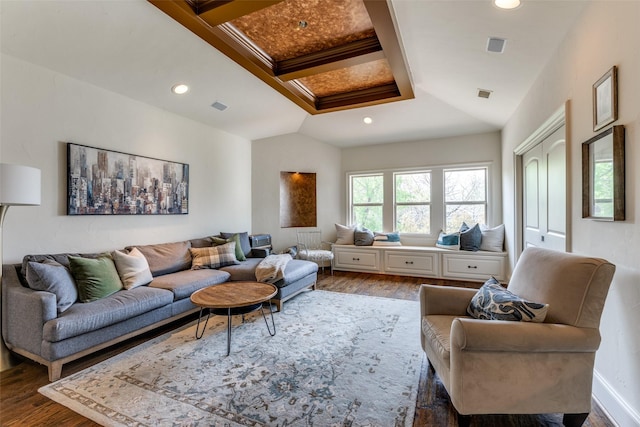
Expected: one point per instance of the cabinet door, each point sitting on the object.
(474, 268)
(355, 260)
(412, 263)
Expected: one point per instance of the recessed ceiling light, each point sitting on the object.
(367, 120)
(180, 88)
(507, 4)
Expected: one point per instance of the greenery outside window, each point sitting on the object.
(367, 200)
(465, 197)
(412, 196)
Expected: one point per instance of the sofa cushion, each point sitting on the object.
(165, 258)
(244, 241)
(470, 238)
(203, 242)
(118, 307)
(295, 270)
(213, 257)
(183, 283)
(53, 277)
(493, 302)
(95, 278)
(243, 271)
(133, 268)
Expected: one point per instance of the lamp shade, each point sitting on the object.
(19, 185)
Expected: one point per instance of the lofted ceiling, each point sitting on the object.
(133, 48)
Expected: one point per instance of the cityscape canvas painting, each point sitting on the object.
(105, 182)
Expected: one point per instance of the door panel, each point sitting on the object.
(545, 192)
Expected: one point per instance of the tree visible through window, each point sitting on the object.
(465, 197)
(367, 199)
(412, 202)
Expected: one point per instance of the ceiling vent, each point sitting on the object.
(496, 45)
(219, 106)
(483, 93)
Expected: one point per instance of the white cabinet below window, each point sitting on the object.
(357, 260)
(421, 261)
(474, 266)
(411, 263)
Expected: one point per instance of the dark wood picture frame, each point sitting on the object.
(605, 99)
(604, 151)
(106, 182)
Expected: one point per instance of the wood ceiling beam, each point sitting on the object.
(347, 55)
(359, 98)
(389, 36)
(216, 12)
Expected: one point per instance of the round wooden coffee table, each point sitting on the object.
(231, 298)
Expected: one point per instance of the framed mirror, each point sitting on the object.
(603, 176)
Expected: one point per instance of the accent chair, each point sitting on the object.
(517, 367)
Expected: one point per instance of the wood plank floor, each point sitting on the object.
(22, 405)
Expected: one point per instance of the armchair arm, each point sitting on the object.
(521, 337)
(447, 300)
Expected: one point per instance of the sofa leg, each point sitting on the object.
(278, 305)
(464, 420)
(55, 371)
(574, 420)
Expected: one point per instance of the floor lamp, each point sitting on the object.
(19, 186)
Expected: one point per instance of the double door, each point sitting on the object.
(545, 193)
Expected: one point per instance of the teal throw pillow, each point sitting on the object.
(96, 278)
(448, 241)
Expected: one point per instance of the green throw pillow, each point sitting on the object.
(217, 241)
(96, 278)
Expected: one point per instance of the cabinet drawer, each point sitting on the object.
(356, 260)
(470, 267)
(420, 264)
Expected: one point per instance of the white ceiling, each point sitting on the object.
(132, 48)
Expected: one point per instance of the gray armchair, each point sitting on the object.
(508, 367)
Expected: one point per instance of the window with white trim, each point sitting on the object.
(419, 202)
(367, 200)
(465, 197)
(412, 202)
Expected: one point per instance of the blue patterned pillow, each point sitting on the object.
(448, 241)
(493, 302)
(470, 238)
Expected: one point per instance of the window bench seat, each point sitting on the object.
(421, 261)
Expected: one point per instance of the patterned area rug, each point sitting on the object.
(336, 360)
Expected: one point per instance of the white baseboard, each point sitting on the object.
(616, 408)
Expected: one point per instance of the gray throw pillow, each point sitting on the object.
(363, 237)
(470, 238)
(53, 277)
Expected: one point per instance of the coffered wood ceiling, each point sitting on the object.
(324, 55)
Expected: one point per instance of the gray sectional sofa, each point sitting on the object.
(34, 327)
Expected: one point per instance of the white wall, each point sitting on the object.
(294, 153)
(606, 34)
(459, 150)
(41, 109)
